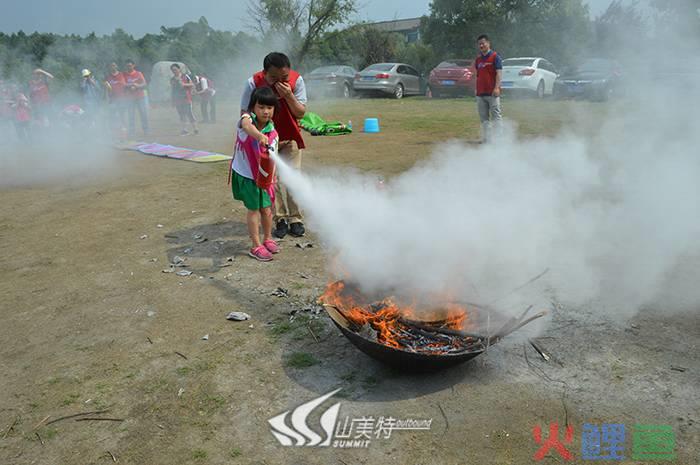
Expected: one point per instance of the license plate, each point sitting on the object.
(368, 78)
(506, 84)
(448, 83)
(575, 88)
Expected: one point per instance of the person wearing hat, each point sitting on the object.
(90, 91)
(39, 95)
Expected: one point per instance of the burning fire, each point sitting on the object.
(402, 327)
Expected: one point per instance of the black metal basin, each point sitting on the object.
(401, 359)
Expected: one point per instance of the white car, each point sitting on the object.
(528, 74)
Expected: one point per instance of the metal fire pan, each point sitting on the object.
(401, 359)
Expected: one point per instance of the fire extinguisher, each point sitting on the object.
(265, 176)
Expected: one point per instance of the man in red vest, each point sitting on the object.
(116, 91)
(39, 95)
(488, 86)
(289, 87)
(135, 97)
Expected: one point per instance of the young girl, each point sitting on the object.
(252, 171)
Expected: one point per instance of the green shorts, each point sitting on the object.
(245, 190)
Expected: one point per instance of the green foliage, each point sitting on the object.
(560, 30)
(419, 55)
(678, 18)
(301, 360)
(195, 43)
(183, 371)
(619, 27)
(297, 25)
(358, 46)
(281, 328)
(557, 29)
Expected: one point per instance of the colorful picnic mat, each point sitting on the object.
(178, 153)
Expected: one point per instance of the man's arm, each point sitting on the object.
(141, 83)
(497, 88)
(188, 83)
(249, 128)
(498, 63)
(245, 98)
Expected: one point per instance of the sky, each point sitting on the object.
(138, 17)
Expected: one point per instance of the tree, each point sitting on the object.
(358, 45)
(555, 29)
(298, 24)
(219, 54)
(621, 27)
(678, 19)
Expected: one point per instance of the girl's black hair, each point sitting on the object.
(263, 96)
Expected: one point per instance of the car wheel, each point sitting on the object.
(347, 92)
(398, 91)
(540, 90)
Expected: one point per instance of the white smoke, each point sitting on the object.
(613, 217)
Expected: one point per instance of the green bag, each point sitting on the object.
(316, 126)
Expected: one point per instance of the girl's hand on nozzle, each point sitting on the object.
(263, 140)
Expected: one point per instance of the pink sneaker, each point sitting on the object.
(271, 246)
(260, 253)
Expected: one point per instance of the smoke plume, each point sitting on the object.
(615, 217)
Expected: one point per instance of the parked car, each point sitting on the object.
(531, 75)
(593, 79)
(453, 77)
(335, 80)
(395, 79)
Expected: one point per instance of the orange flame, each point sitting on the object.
(386, 317)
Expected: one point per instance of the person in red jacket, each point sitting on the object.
(290, 89)
(39, 95)
(488, 87)
(115, 83)
(135, 97)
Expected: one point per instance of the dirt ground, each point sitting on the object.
(90, 322)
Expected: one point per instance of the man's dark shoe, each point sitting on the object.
(297, 229)
(281, 229)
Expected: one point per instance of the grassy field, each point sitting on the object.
(411, 128)
(90, 322)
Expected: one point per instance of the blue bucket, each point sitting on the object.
(371, 125)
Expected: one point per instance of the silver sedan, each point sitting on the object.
(395, 79)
